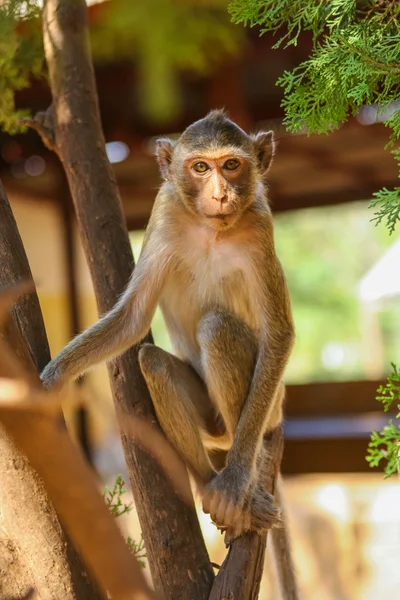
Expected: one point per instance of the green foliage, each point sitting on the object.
(138, 549)
(21, 55)
(386, 444)
(113, 499)
(390, 207)
(355, 60)
(163, 38)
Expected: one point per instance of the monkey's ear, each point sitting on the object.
(164, 150)
(264, 146)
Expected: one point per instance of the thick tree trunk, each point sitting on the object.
(33, 548)
(240, 574)
(176, 552)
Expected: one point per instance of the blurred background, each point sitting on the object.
(155, 76)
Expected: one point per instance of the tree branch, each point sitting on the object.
(43, 123)
(240, 574)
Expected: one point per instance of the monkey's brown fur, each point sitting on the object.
(209, 261)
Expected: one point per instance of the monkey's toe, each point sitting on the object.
(239, 527)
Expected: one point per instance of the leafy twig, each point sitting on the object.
(386, 444)
(113, 499)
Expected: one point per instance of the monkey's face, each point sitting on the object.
(215, 168)
(217, 185)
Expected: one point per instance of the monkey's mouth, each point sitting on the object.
(219, 216)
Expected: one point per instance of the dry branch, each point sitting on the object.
(240, 574)
(42, 123)
(176, 552)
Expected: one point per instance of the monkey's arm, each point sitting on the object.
(276, 344)
(126, 324)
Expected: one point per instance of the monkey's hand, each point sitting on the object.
(224, 497)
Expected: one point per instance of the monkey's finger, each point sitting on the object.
(220, 516)
(246, 523)
(237, 529)
(233, 513)
(215, 501)
(206, 503)
(210, 502)
(229, 537)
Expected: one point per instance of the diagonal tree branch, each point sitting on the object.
(28, 521)
(32, 418)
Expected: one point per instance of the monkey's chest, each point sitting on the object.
(221, 279)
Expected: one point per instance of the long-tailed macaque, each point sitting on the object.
(209, 261)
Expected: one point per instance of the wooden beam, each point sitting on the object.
(334, 398)
(325, 456)
(281, 202)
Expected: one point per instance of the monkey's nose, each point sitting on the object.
(220, 197)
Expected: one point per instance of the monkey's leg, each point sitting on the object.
(182, 406)
(228, 354)
(265, 511)
(261, 519)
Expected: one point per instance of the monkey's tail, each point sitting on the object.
(282, 552)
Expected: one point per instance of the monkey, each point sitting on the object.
(208, 260)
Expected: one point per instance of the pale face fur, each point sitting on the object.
(214, 169)
(218, 194)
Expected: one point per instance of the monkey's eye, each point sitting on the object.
(231, 164)
(200, 167)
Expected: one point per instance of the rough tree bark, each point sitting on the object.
(175, 548)
(240, 574)
(34, 550)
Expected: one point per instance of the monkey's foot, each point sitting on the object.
(259, 514)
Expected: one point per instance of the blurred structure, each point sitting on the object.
(321, 183)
